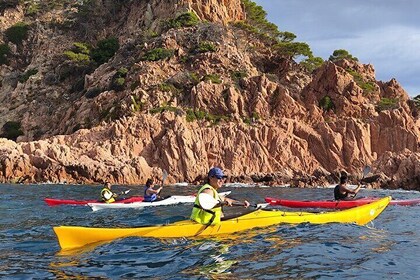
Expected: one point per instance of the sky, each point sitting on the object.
(384, 33)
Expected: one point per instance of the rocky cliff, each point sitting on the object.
(220, 96)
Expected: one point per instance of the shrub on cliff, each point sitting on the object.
(312, 63)
(387, 104)
(17, 33)
(25, 76)
(118, 80)
(214, 78)
(183, 20)
(105, 50)
(341, 54)
(205, 46)
(157, 54)
(79, 53)
(256, 18)
(367, 86)
(4, 52)
(257, 23)
(293, 49)
(326, 103)
(11, 130)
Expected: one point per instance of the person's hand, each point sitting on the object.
(246, 204)
(228, 201)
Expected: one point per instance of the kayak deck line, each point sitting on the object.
(70, 237)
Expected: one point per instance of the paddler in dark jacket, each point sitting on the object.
(215, 179)
(150, 194)
(342, 191)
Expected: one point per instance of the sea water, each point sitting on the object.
(387, 248)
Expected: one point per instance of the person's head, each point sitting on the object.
(150, 182)
(216, 177)
(343, 179)
(107, 185)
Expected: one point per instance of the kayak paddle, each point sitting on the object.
(366, 171)
(164, 176)
(208, 202)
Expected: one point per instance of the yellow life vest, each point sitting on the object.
(107, 196)
(203, 216)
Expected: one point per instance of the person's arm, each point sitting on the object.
(230, 202)
(152, 191)
(349, 190)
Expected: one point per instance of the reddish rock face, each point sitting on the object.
(243, 107)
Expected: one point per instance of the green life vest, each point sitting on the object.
(204, 216)
(107, 196)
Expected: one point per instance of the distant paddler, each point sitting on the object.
(107, 195)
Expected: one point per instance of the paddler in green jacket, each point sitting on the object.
(107, 195)
(214, 215)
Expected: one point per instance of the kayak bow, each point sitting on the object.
(70, 237)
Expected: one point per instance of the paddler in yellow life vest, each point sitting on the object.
(107, 195)
(212, 216)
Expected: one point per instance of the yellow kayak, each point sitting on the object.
(70, 237)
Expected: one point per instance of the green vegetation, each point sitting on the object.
(4, 52)
(326, 103)
(387, 104)
(93, 92)
(341, 54)
(105, 50)
(214, 78)
(250, 120)
(194, 78)
(237, 75)
(184, 20)
(12, 130)
(168, 87)
(17, 33)
(77, 57)
(136, 104)
(193, 115)
(81, 48)
(312, 63)
(163, 108)
(205, 46)
(157, 54)
(32, 9)
(416, 101)
(367, 87)
(118, 80)
(257, 23)
(293, 49)
(256, 20)
(80, 53)
(25, 76)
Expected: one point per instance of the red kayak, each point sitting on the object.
(334, 204)
(55, 201)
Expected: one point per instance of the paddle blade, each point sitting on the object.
(366, 171)
(164, 175)
(207, 201)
